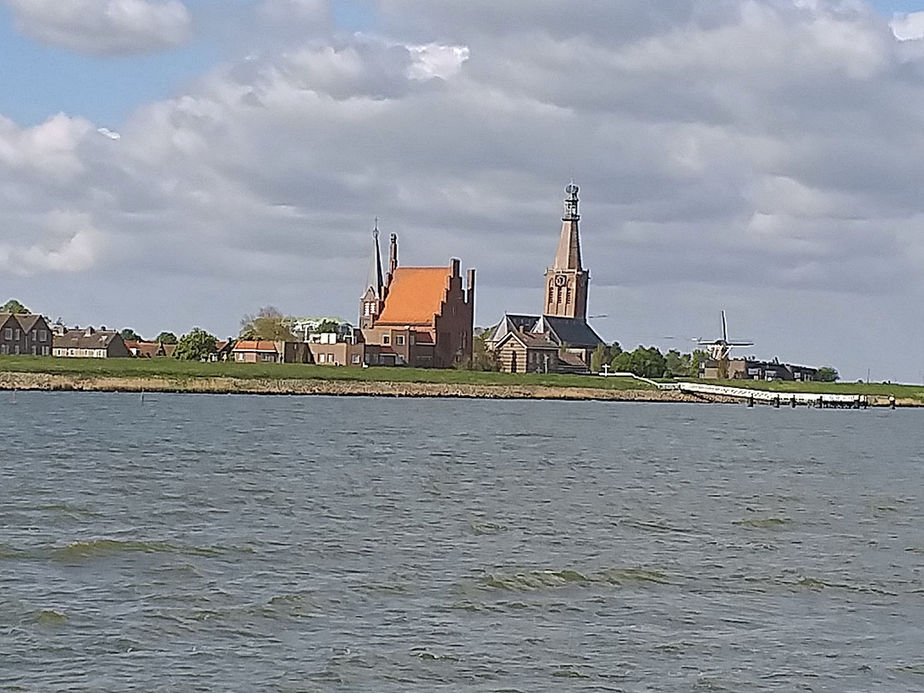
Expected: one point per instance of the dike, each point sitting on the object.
(365, 388)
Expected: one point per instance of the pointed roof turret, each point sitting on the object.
(374, 280)
(568, 255)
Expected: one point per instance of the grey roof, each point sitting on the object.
(511, 322)
(574, 332)
(374, 278)
(530, 340)
(27, 321)
(80, 339)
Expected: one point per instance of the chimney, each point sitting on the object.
(392, 257)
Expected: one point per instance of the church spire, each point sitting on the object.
(374, 281)
(568, 256)
(566, 280)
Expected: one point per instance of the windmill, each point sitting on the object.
(720, 349)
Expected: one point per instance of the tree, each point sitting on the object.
(328, 326)
(677, 364)
(268, 323)
(696, 359)
(482, 358)
(129, 335)
(15, 307)
(827, 374)
(603, 354)
(598, 358)
(197, 345)
(166, 338)
(645, 362)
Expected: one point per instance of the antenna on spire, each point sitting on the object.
(375, 229)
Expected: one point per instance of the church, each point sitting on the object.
(559, 340)
(416, 316)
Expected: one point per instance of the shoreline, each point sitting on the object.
(265, 386)
(58, 382)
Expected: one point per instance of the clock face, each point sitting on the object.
(560, 280)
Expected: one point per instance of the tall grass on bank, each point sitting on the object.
(183, 370)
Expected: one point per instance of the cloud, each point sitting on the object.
(908, 27)
(104, 27)
(762, 156)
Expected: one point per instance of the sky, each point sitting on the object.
(166, 164)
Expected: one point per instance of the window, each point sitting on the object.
(386, 340)
(4, 349)
(15, 348)
(399, 340)
(18, 334)
(8, 333)
(355, 358)
(43, 335)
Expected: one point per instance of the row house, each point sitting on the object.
(90, 343)
(25, 334)
(269, 351)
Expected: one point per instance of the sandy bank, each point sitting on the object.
(42, 381)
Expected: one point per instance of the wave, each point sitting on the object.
(544, 579)
(107, 547)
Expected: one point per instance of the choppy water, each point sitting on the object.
(201, 543)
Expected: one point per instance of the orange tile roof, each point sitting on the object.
(255, 345)
(415, 295)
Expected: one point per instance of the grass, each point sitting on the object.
(872, 389)
(182, 370)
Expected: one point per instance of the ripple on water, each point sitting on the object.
(532, 580)
(94, 548)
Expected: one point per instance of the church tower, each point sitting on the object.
(370, 305)
(566, 281)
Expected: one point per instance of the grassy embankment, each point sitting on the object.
(915, 392)
(180, 371)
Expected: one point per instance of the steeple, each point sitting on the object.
(374, 280)
(566, 280)
(373, 298)
(568, 256)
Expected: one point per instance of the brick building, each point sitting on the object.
(416, 316)
(25, 333)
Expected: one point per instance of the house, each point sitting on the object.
(224, 349)
(148, 350)
(752, 369)
(511, 322)
(416, 316)
(336, 349)
(267, 351)
(527, 352)
(90, 343)
(25, 333)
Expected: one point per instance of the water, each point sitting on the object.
(199, 543)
